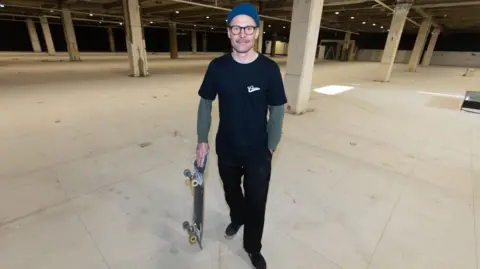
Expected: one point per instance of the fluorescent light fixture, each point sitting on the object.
(333, 89)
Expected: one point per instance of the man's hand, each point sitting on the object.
(202, 150)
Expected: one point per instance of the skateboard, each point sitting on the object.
(195, 227)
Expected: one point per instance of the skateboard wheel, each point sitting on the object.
(194, 183)
(186, 225)
(187, 173)
(193, 239)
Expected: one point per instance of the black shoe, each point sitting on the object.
(257, 260)
(232, 230)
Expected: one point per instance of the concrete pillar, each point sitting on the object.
(194, 41)
(305, 26)
(419, 45)
(47, 35)
(111, 39)
(70, 37)
(321, 52)
(352, 50)
(274, 44)
(137, 52)
(32, 31)
(172, 30)
(346, 46)
(204, 40)
(393, 40)
(427, 57)
(259, 44)
(338, 53)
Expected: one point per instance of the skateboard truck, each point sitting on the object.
(195, 227)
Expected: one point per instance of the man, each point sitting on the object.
(248, 85)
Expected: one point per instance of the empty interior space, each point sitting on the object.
(378, 165)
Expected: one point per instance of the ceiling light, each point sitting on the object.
(364, 22)
(374, 24)
(2, 5)
(337, 12)
(381, 27)
(283, 27)
(91, 14)
(269, 26)
(121, 23)
(352, 18)
(51, 10)
(177, 11)
(207, 17)
(194, 25)
(264, 32)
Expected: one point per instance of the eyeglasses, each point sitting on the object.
(249, 30)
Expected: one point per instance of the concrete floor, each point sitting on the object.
(381, 176)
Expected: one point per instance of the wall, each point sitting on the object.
(454, 58)
(445, 58)
(376, 55)
(281, 48)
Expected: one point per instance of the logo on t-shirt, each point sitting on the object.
(252, 88)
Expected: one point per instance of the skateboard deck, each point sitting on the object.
(195, 227)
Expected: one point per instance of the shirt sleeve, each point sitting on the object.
(208, 90)
(276, 91)
(274, 126)
(204, 119)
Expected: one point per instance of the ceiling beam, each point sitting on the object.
(427, 16)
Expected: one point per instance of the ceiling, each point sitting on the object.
(209, 15)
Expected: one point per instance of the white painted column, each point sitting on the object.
(137, 52)
(70, 37)
(260, 37)
(111, 39)
(305, 26)
(419, 45)
(194, 41)
(32, 31)
(47, 35)
(393, 40)
(427, 57)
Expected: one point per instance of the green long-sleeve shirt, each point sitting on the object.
(274, 125)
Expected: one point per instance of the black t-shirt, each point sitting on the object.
(244, 92)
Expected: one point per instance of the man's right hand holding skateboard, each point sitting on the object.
(202, 151)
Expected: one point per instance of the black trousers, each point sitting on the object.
(247, 208)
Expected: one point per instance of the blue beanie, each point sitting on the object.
(244, 9)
